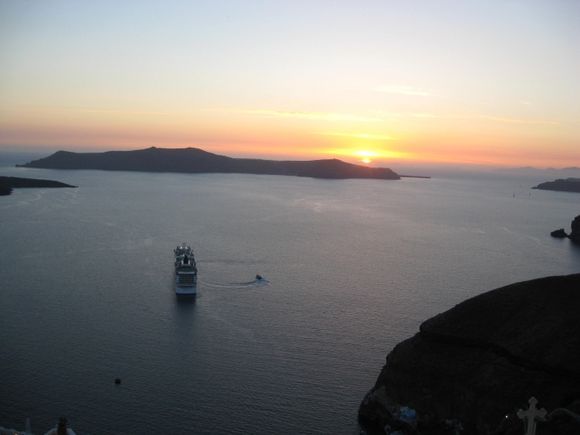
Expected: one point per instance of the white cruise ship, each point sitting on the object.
(185, 271)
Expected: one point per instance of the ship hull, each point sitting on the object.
(190, 288)
(185, 291)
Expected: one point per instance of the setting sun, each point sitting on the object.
(365, 155)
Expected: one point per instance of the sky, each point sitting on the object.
(492, 82)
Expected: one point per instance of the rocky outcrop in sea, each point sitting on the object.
(559, 234)
(574, 234)
(470, 369)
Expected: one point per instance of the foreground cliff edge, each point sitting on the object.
(195, 160)
(476, 365)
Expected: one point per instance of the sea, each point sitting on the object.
(351, 268)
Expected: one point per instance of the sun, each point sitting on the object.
(365, 155)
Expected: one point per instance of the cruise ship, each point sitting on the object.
(185, 271)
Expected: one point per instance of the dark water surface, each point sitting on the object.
(354, 266)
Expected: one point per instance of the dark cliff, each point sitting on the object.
(575, 233)
(481, 361)
(194, 160)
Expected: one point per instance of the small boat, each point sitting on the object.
(185, 271)
(259, 278)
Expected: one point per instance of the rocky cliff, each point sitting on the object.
(475, 365)
(575, 233)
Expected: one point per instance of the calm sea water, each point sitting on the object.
(354, 267)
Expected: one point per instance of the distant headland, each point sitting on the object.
(195, 160)
(561, 185)
(9, 183)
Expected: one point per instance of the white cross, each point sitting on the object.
(530, 415)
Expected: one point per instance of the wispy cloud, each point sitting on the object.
(518, 121)
(380, 116)
(313, 116)
(44, 108)
(474, 117)
(120, 112)
(424, 115)
(403, 90)
(367, 136)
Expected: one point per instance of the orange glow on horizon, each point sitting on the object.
(243, 136)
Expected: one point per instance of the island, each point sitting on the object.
(195, 160)
(561, 185)
(9, 183)
(476, 365)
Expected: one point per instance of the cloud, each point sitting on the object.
(119, 112)
(52, 109)
(379, 116)
(368, 136)
(518, 121)
(403, 90)
(312, 116)
(475, 117)
(424, 115)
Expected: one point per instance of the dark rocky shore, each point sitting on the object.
(195, 160)
(561, 185)
(574, 234)
(477, 364)
(9, 183)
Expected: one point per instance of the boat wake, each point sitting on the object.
(258, 282)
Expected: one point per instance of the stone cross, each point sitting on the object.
(531, 414)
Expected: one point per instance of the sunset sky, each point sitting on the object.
(382, 82)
